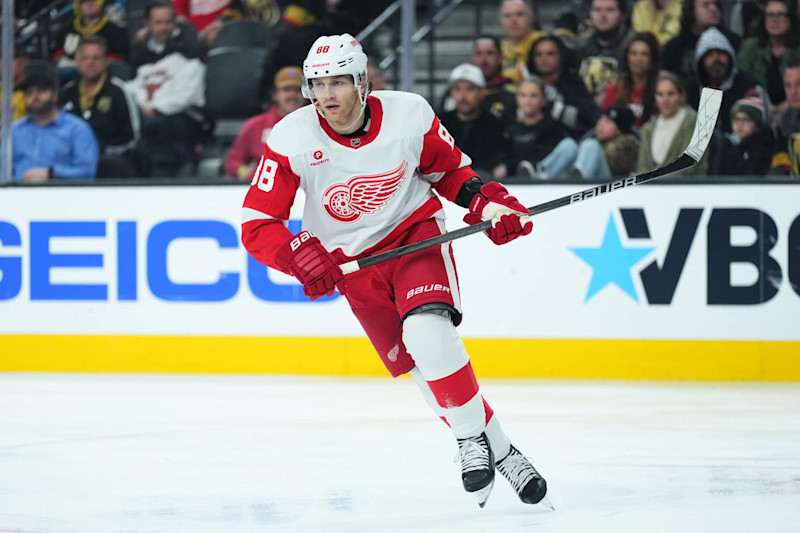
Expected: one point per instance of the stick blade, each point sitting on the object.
(707, 113)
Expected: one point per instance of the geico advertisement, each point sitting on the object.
(651, 262)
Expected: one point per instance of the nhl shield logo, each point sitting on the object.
(355, 142)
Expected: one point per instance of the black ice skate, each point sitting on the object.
(529, 485)
(477, 466)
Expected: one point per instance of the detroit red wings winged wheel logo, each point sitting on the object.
(362, 195)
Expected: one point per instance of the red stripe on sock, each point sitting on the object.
(456, 389)
(445, 421)
(488, 410)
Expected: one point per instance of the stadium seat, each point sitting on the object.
(235, 81)
(247, 33)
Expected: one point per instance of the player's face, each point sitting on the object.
(337, 99)
(742, 125)
(288, 99)
(486, 56)
(791, 84)
(90, 61)
(466, 95)
(606, 129)
(161, 23)
(545, 57)
(707, 13)
(530, 99)
(605, 15)
(639, 58)
(39, 100)
(516, 19)
(669, 99)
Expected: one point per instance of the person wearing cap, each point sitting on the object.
(90, 18)
(249, 145)
(500, 99)
(613, 149)
(748, 149)
(49, 143)
(102, 101)
(475, 130)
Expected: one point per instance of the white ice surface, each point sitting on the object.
(160, 453)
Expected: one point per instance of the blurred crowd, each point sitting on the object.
(136, 88)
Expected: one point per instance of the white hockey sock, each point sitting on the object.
(498, 439)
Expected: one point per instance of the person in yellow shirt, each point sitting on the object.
(518, 21)
(662, 18)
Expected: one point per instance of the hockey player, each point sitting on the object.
(372, 167)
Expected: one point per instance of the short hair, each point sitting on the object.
(527, 4)
(538, 81)
(157, 4)
(666, 75)
(794, 63)
(622, 5)
(99, 40)
(487, 39)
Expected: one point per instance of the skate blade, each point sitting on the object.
(546, 502)
(483, 494)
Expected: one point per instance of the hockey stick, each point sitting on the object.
(708, 109)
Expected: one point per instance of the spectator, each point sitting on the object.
(101, 100)
(500, 100)
(207, 17)
(600, 52)
(161, 37)
(777, 42)
(787, 152)
(613, 149)
(666, 136)
(570, 102)
(535, 135)
(662, 18)
(748, 150)
(636, 86)
(715, 65)
(518, 21)
(168, 92)
(696, 17)
(476, 131)
(90, 18)
(49, 143)
(22, 55)
(249, 145)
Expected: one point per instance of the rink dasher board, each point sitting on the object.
(660, 281)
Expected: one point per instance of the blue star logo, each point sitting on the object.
(611, 262)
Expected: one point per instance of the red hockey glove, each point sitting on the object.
(509, 217)
(309, 262)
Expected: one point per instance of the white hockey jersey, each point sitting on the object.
(361, 192)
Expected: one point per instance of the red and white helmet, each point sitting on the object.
(336, 55)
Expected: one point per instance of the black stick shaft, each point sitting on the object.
(683, 162)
